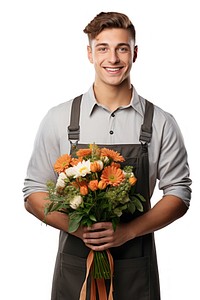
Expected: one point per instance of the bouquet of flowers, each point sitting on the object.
(93, 187)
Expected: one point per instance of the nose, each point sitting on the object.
(113, 57)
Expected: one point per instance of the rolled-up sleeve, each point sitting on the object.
(173, 168)
(45, 152)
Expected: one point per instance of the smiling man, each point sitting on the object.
(113, 115)
(112, 52)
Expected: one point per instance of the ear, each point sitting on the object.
(89, 53)
(135, 53)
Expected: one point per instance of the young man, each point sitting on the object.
(113, 114)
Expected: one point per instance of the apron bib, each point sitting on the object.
(135, 263)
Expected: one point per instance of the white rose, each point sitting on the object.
(70, 172)
(76, 202)
(61, 180)
(100, 163)
(105, 159)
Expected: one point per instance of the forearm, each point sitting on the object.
(101, 235)
(35, 204)
(167, 210)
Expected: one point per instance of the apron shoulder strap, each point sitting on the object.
(146, 128)
(74, 128)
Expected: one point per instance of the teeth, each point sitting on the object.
(112, 69)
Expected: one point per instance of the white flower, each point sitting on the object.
(100, 163)
(70, 172)
(61, 181)
(105, 159)
(76, 202)
(82, 169)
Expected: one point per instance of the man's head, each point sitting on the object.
(111, 48)
(109, 20)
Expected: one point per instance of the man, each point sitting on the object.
(112, 114)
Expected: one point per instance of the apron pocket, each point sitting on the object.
(131, 279)
(72, 276)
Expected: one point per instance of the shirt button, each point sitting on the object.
(112, 115)
(111, 132)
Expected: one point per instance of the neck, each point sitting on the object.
(113, 97)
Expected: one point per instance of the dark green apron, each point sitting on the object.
(135, 263)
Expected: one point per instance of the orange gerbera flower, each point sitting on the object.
(62, 163)
(114, 155)
(83, 152)
(112, 175)
(114, 164)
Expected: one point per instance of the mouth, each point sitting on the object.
(112, 70)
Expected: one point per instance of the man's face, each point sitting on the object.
(112, 52)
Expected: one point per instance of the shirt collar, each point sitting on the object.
(135, 102)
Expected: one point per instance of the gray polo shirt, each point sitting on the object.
(167, 154)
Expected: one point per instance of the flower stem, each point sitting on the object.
(101, 267)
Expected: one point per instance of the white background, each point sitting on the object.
(43, 62)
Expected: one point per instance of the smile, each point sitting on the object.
(113, 69)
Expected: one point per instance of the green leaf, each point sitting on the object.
(115, 221)
(87, 210)
(73, 225)
(141, 197)
(131, 207)
(46, 211)
(87, 223)
(138, 204)
(48, 208)
(74, 221)
(92, 217)
(75, 216)
(56, 206)
(118, 212)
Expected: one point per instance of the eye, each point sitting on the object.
(102, 49)
(123, 49)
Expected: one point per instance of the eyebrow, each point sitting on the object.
(106, 44)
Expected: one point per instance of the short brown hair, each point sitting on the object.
(109, 20)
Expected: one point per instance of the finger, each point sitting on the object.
(98, 234)
(101, 225)
(98, 241)
(99, 247)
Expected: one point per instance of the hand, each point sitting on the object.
(101, 236)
